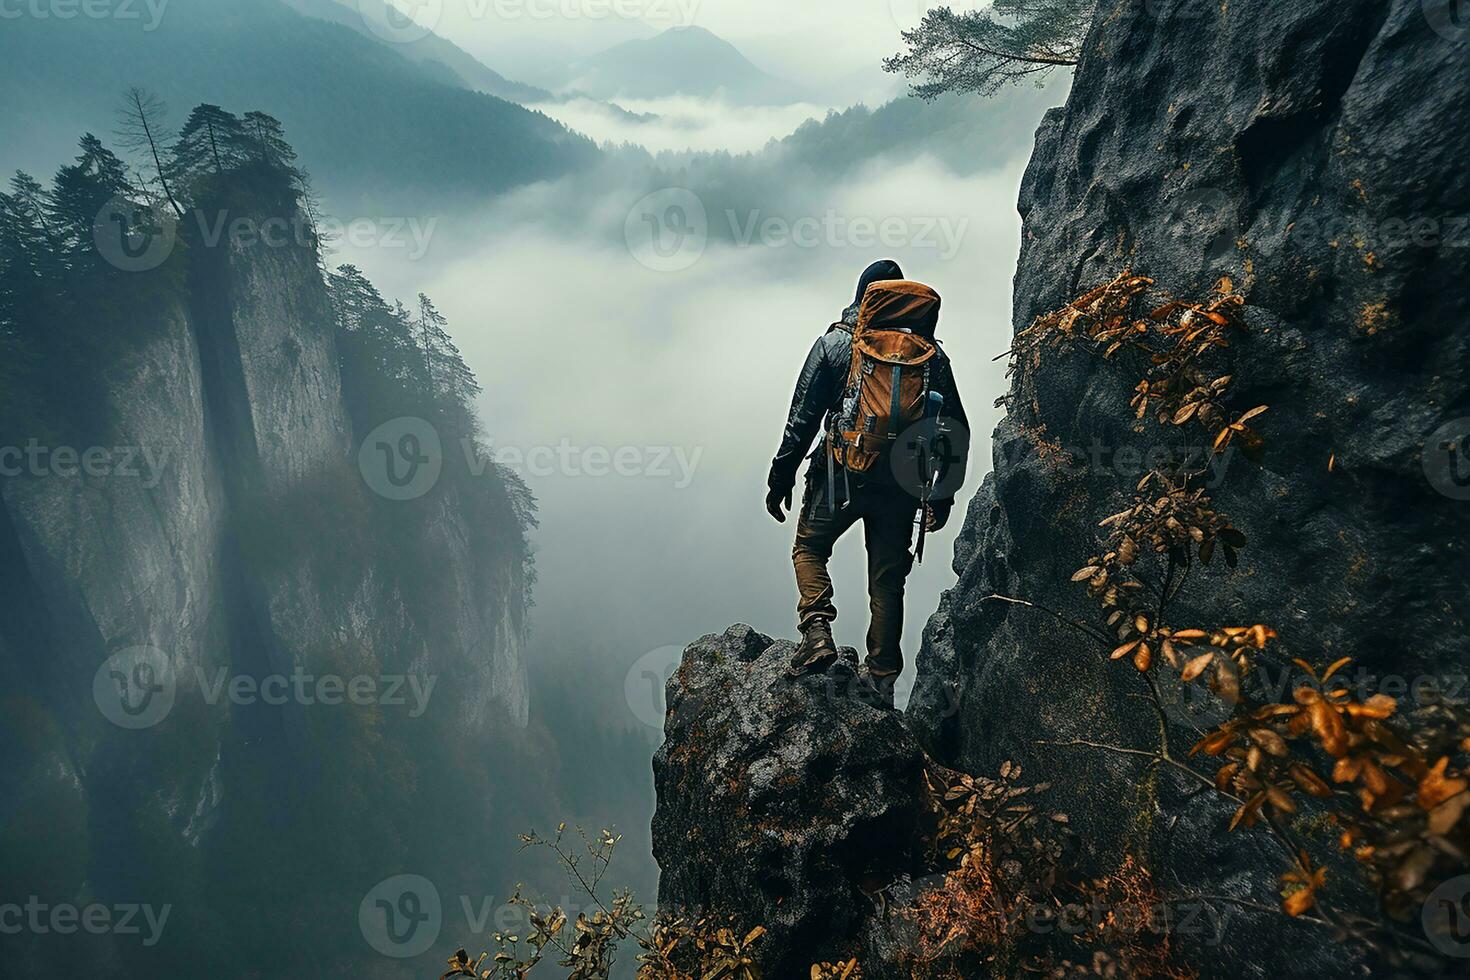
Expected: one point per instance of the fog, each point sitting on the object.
(643, 404)
(821, 45)
(681, 123)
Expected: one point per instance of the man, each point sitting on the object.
(883, 491)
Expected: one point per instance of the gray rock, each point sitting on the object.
(1287, 146)
(254, 548)
(785, 803)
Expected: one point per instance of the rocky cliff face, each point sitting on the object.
(1296, 149)
(1313, 153)
(791, 804)
(225, 536)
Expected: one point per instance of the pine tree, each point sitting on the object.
(452, 385)
(80, 192)
(140, 130)
(982, 51)
(25, 254)
(212, 140)
(380, 357)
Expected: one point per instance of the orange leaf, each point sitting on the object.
(1144, 658)
(1299, 901)
(1434, 788)
(1196, 667)
(1214, 743)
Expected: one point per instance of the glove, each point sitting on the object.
(775, 499)
(938, 515)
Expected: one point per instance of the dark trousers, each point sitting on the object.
(888, 514)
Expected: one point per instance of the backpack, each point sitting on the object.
(888, 385)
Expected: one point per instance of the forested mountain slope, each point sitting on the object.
(382, 127)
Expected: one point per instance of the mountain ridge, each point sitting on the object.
(688, 61)
(362, 16)
(375, 128)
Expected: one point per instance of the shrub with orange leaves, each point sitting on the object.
(1010, 903)
(1395, 782)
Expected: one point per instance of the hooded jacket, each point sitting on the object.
(820, 387)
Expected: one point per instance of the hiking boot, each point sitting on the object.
(875, 690)
(816, 653)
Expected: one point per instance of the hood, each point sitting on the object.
(900, 304)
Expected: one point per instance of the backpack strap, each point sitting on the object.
(895, 411)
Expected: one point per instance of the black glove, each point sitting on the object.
(775, 498)
(938, 515)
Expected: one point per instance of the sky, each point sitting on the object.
(821, 44)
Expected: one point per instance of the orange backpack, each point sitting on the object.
(888, 385)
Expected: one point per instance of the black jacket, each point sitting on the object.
(819, 391)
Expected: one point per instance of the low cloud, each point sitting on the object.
(578, 343)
